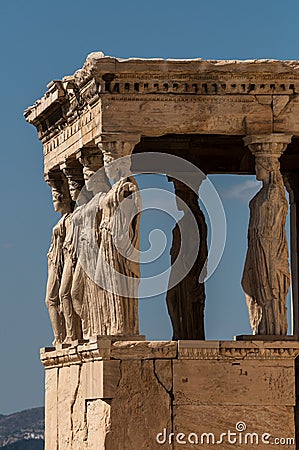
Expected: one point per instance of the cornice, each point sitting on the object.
(182, 350)
(136, 79)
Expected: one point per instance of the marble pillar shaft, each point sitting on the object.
(186, 298)
(266, 275)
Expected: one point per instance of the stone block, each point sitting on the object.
(141, 407)
(266, 422)
(265, 337)
(129, 403)
(64, 408)
(51, 413)
(98, 423)
(101, 379)
(239, 382)
(78, 408)
(164, 373)
(144, 350)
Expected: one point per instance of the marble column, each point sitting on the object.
(118, 270)
(87, 295)
(186, 299)
(62, 204)
(117, 145)
(72, 170)
(291, 180)
(266, 276)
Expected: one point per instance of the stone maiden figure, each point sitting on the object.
(118, 240)
(72, 320)
(186, 299)
(62, 203)
(266, 276)
(88, 298)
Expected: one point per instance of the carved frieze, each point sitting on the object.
(181, 350)
(76, 107)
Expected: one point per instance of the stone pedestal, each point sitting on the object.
(134, 395)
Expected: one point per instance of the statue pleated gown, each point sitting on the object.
(118, 240)
(266, 276)
(88, 297)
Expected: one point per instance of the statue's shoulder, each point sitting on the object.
(124, 187)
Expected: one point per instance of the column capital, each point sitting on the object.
(54, 178)
(57, 181)
(90, 157)
(117, 145)
(187, 180)
(268, 145)
(72, 169)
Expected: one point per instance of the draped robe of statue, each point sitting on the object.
(72, 320)
(88, 297)
(55, 269)
(186, 300)
(266, 276)
(116, 273)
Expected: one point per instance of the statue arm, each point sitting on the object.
(126, 224)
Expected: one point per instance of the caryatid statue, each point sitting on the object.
(118, 239)
(73, 326)
(63, 204)
(87, 296)
(266, 276)
(186, 298)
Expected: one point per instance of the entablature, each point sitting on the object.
(155, 97)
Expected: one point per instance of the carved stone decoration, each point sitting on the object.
(101, 390)
(118, 240)
(87, 296)
(72, 320)
(63, 204)
(186, 300)
(266, 276)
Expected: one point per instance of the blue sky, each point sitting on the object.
(41, 41)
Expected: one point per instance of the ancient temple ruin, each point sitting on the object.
(106, 386)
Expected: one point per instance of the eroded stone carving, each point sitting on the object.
(88, 297)
(63, 204)
(94, 258)
(118, 241)
(72, 320)
(186, 300)
(266, 276)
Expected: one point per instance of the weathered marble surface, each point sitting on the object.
(118, 395)
(217, 419)
(63, 204)
(111, 105)
(72, 320)
(186, 299)
(266, 276)
(94, 271)
(156, 97)
(102, 399)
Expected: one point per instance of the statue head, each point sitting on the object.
(75, 181)
(62, 201)
(61, 198)
(91, 163)
(88, 174)
(264, 166)
(74, 188)
(97, 182)
(117, 168)
(58, 200)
